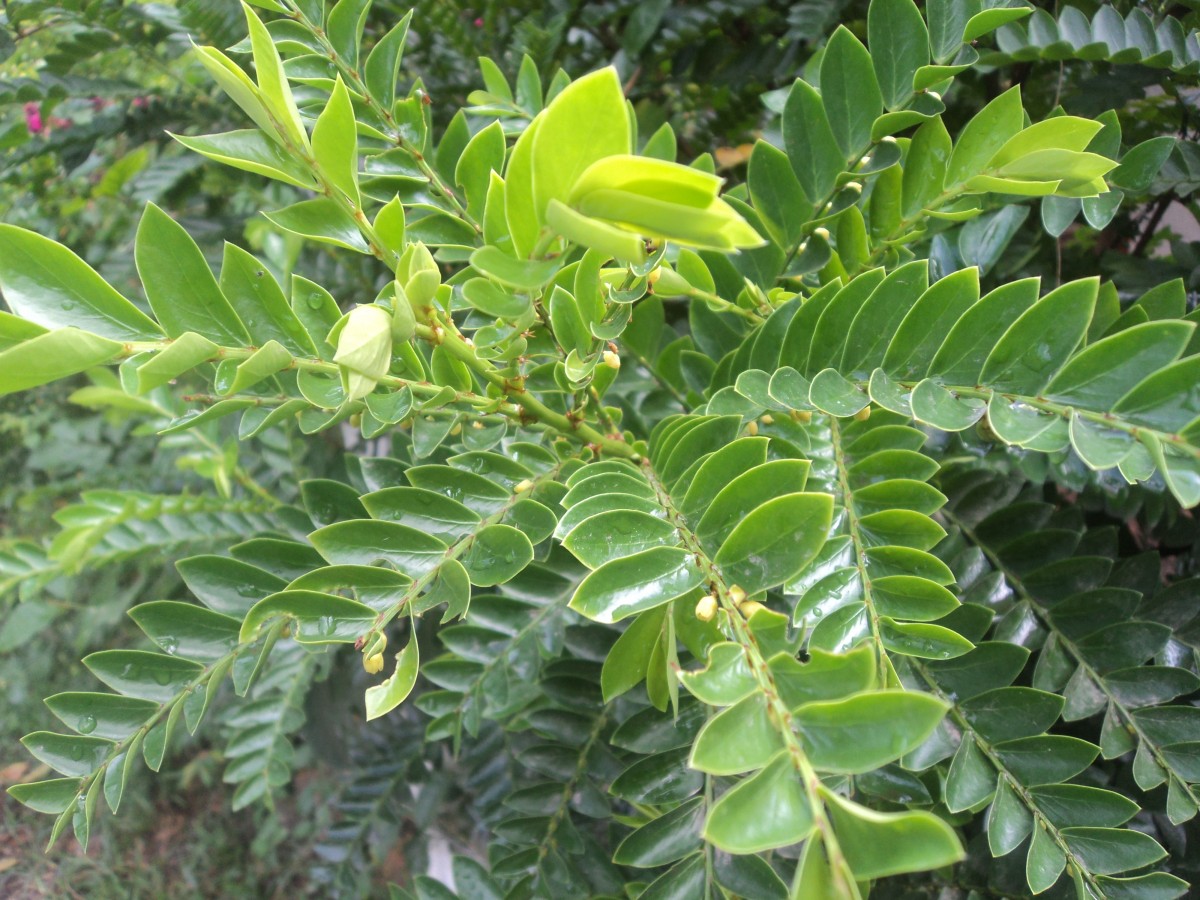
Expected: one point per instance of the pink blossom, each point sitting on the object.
(479, 22)
(33, 118)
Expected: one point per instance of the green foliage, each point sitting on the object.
(831, 450)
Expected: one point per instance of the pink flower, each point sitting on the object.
(479, 22)
(33, 118)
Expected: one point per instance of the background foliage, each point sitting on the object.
(519, 747)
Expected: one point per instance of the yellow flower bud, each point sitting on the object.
(752, 428)
(373, 664)
(523, 486)
(863, 414)
(737, 595)
(749, 608)
(706, 608)
(803, 416)
(612, 360)
(768, 419)
(364, 349)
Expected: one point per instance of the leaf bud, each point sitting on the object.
(669, 283)
(706, 608)
(404, 320)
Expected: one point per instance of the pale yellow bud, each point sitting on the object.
(803, 416)
(611, 360)
(373, 664)
(523, 486)
(768, 419)
(749, 608)
(822, 233)
(854, 186)
(752, 428)
(706, 608)
(737, 595)
(863, 414)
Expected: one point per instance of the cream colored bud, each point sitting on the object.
(935, 95)
(866, 160)
(611, 360)
(822, 233)
(477, 425)
(768, 419)
(523, 486)
(706, 608)
(888, 139)
(364, 349)
(854, 186)
(373, 664)
(863, 414)
(752, 428)
(803, 416)
(737, 595)
(749, 608)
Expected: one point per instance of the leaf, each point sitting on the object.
(808, 138)
(850, 91)
(316, 618)
(51, 356)
(383, 62)
(767, 810)
(984, 135)
(584, 123)
(628, 661)
(1033, 349)
(382, 698)
(179, 285)
(878, 844)
(251, 151)
(900, 42)
(635, 583)
(273, 84)
(320, 219)
(46, 283)
(758, 554)
(335, 143)
(738, 739)
(867, 730)
(666, 839)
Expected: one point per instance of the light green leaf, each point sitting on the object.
(380, 699)
(767, 810)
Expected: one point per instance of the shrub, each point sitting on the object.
(613, 433)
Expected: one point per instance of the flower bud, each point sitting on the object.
(749, 608)
(768, 419)
(802, 416)
(523, 486)
(364, 349)
(752, 428)
(373, 664)
(706, 608)
(863, 414)
(737, 595)
(612, 360)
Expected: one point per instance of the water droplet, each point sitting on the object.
(314, 301)
(169, 644)
(86, 724)
(248, 590)
(162, 676)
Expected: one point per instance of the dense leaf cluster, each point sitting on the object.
(749, 543)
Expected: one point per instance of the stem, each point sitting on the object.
(778, 711)
(351, 75)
